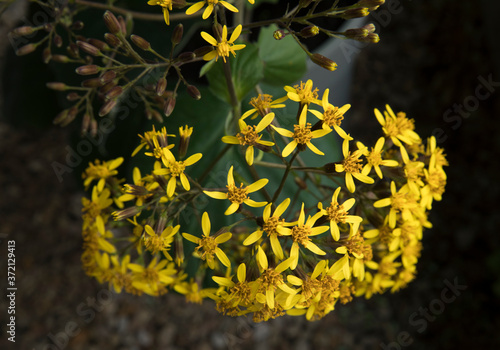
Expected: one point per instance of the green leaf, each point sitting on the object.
(284, 60)
(246, 72)
(206, 67)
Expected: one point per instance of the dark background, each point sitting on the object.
(431, 57)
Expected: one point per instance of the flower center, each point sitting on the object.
(302, 134)
(271, 225)
(306, 95)
(248, 136)
(208, 244)
(300, 234)
(151, 275)
(177, 168)
(262, 103)
(332, 116)
(356, 245)
(437, 182)
(269, 279)
(352, 164)
(236, 194)
(374, 158)
(223, 48)
(336, 213)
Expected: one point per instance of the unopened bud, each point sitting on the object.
(355, 13)
(370, 27)
(56, 86)
(93, 127)
(46, 55)
(135, 190)
(112, 22)
(279, 34)
(157, 116)
(329, 168)
(77, 25)
(123, 24)
(202, 51)
(87, 70)
(112, 40)
(301, 183)
(179, 250)
(309, 31)
(323, 61)
(85, 123)
(60, 58)
(106, 87)
(186, 57)
(356, 33)
(72, 113)
(114, 92)
(72, 50)
(72, 96)
(107, 107)
(126, 213)
(23, 31)
(88, 48)
(177, 34)
(26, 49)
(169, 106)
(101, 45)
(194, 92)
(92, 83)
(184, 134)
(140, 42)
(108, 76)
(370, 3)
(58, 40)
(60, 117)
(372, 38)
(161, 86)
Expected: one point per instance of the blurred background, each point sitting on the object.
(437, 60)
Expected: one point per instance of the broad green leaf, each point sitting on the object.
(284, 60)
(246, 72)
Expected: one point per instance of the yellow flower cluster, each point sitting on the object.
(357, 234)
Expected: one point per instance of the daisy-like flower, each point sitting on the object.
(338, 214)
(209, 244)
(239, 293)
(401, 201)
(274, 226)
(301, 234)
(438, 158)
(149, 137)
(398, 128)
(332, 116)
(435, 179)
(166, 5)
(262, 105)
(302, 135)
(238, 195)
(362, 252)
(414, 172)
(352, 167)
(210, 7)
(249, 136)
(374, 158)
(223, 47)
(154, 278)
(175, 168)
(140, 190)
(160, 243)
(101, 171)
(303, 93)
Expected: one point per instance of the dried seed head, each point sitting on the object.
(107, 107)
(140, 42)
(88, 69)
(177, 34)
(112, 22)
(88, 48)
(161, 86)
(169, 106)
(193, 92)
(112, 40)
(56, 86)
(323, 61)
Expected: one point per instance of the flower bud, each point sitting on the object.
(23, 31)
(186, 57)
(26, 49)
(85, 123)
(126, 213)
(279, 34)
(179, 250)
(169, 106)
(140, 42)
(355, 13)
(157, 116)
(77, 25)
(60, 117)
(72, 96)
(177, 34)
(46, 55)
(101, 45)
(135, 190)
(114, 92)
(193, 92)
(93, 127)
(92, 83)
(323, 61)
(184, 134)
(87, 70)
(370, 3)
(123, 24)
(72, 50)
(112, 40)
(58, 40)
(107, 107)
(356, 33)
(202, 51)
(60, 58)
(88, 48)
(112, 22)
(106, 87)
(58, 86)
(309, 31)
(108, 76)
(373, 38)
(72, 113)
(161, 86)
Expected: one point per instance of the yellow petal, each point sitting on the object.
(195, 8)
(205, 224)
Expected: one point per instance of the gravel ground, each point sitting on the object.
(430, 57)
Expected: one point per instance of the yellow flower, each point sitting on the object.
(209, 244)
(302, 135)
(154, 278)
(434, 188)
(274, 226)
(224, 47)
(301, 234)
(160, 243)
(238, 195)
(210, 7)
(398, 128)
(350, 165)
(149, 137)
(166, 6)
(338, 214)
(262, 105)
(175, 168)
(374, 158)
(414, 171)
(95, 206)
(332, 116)
(303, 93)
(249, 136)
(100, 171)
(401, 201)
